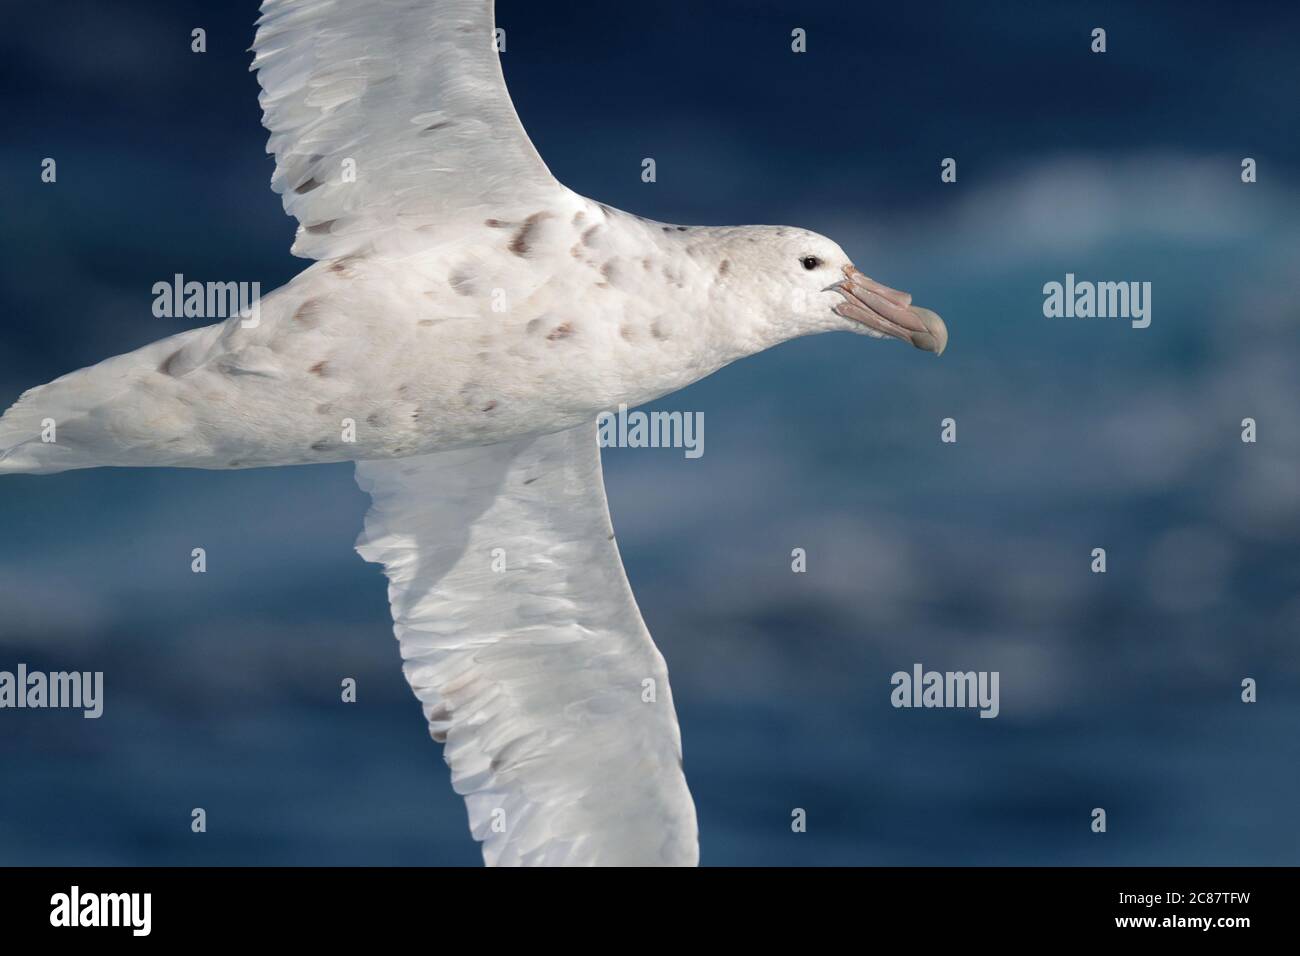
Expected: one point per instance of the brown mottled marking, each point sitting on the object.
(308, 313)
(575, 251)
(588, 234)
(645, 264)
(318, 368)
(561, 331)
(657, 330)
(322, 445)
(321, 228)
(490, 405)
(519, 244)
(625, 331)
(374, 418)
(167, 366)
(343, 267)
(579, 216)
(462, 281)
(607, 270)
(724, 267)
(308, 185)
(533, 325)
(427, 322)
(494, 223)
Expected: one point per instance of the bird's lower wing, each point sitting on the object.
(521, 638)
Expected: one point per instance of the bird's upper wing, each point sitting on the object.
(521, 638)
(390, 122)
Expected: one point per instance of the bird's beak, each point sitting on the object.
(887, 311)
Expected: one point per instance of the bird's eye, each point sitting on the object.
(810, 262)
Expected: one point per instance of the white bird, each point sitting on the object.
(471, 317)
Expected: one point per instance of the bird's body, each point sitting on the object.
(516, 327)
(466, 320)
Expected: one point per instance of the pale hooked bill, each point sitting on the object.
(415, 187)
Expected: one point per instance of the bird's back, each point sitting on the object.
(518, 327)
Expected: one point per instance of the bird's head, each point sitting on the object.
(801, 283)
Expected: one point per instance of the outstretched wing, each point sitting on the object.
(390, 122)
(521, 638)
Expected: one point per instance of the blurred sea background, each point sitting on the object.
(1118, 690)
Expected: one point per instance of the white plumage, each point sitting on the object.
(467, 319)
(411, 92)
(521, 638)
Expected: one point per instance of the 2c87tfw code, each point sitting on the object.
(1215, 897)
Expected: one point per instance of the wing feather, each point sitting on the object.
(520, 636)
(390, 122)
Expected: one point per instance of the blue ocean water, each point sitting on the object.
(1118, 690)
